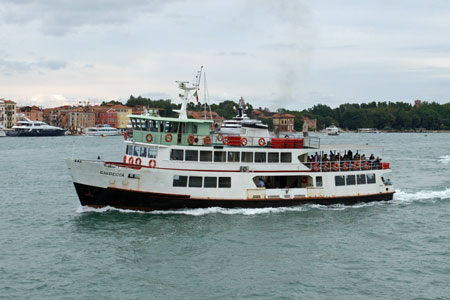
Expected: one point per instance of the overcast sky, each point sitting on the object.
(291, 54)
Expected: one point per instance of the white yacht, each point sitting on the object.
(27, 127)
(332, 130)
(102, 130)
(242, 125)
(173, 163)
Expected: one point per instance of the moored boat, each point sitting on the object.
(101, 130)
(27, 127)
(172, 163)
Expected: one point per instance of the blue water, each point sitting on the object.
(51, 248)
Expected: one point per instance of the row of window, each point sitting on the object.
(354, 179)
(230, 156)
(142, 151)
(161, 126)
(198, 181)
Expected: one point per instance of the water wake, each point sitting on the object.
(445, 159)
(400, 197)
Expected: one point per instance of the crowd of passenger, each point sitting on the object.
(328, 160)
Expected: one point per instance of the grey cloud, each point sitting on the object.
(10, 67)
(59, 17)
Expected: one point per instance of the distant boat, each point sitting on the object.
(332, 130)
(367, 130)
(103, 130)
(27, 127)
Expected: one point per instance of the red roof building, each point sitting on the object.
(283, 122)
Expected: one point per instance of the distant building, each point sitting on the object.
(283, 122)
(57, 116)
(310, 123)
(202, 115)
(417, 103)
(33, 113)
(10, 113)
(2, 113)
(80, 117)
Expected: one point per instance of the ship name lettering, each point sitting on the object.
(112, 174)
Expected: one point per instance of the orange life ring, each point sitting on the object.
(366, 165)
(138, 161)
(191, 139)
(152, 163)
(345, 166)
(220, 137)
(261, 142)
(316, 167)
(225, 140)
(130, 160)
(124, 159)
(169, 137)
(356, 165)
(244, 141)
(149, 137)
(326, 166)
(336, 166)
(207, 140)
(125, 135)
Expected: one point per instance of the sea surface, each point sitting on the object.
(52, 248)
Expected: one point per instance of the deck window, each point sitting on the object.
(194, 128)
(319, 182)
(351, 180)
(205, 155)
(273, 157)
(176, 154)
(219, 156)
(153, 126)
(130, 149)
(260, 157)
(137, 150)
(191, 155)
(233, 156)
(339, 180)
(144, 151)
(152, 152)
(247, 157)
(180, 181)
(370, 178)
(286, 157)
(361, 179)
(210, 182)
(195, 181)
(224, 182)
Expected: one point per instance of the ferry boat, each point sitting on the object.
(102, 130)
(175, 163)
(332, 130)
(27, 127)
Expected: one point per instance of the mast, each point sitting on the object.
(185, 96)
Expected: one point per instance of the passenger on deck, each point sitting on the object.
(388, 182)
(261, 182)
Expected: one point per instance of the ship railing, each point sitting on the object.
(311, 142)
(346, 165)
